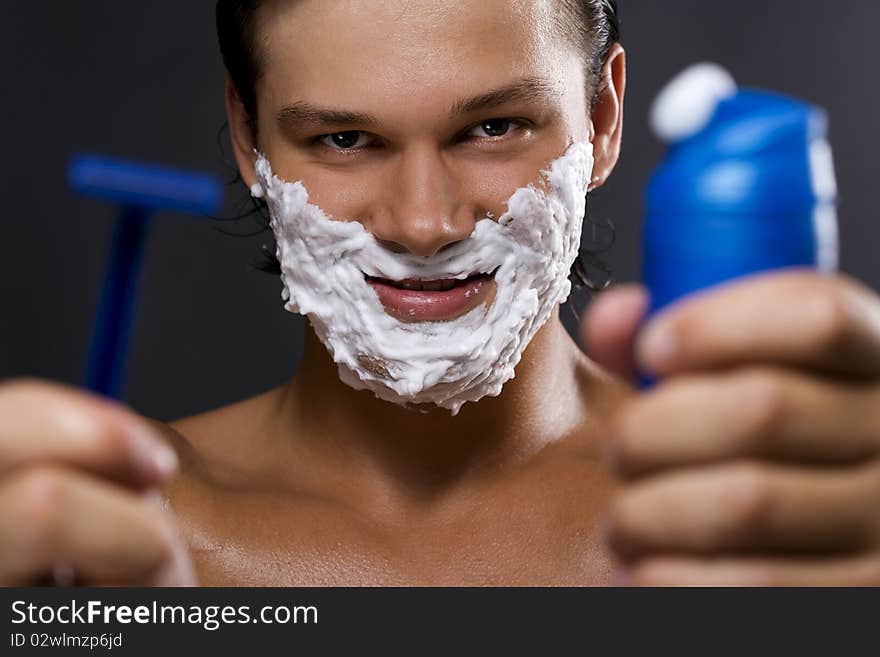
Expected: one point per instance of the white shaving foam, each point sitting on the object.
(531, 248)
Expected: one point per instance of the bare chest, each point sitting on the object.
(543, 530)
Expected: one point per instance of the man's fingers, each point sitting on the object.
(797, 318)
(728, 571)
(748, 507)
(45, 422)
(54, 517)
(751, 413)
(610, 326)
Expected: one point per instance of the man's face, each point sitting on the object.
(416, 118)
(400, 127)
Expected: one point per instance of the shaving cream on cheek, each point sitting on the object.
(531, 249)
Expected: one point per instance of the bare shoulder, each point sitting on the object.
(221, 443)
(576, 461)
(602, 395)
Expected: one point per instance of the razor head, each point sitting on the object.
(145, 186)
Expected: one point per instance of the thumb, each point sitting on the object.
(610, 326)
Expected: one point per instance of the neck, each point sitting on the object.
(421, 453)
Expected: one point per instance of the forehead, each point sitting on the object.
(408, 52)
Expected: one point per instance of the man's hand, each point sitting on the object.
(756, 460)
(77, 492)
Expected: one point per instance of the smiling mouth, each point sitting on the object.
(414, 300)
(438, 285)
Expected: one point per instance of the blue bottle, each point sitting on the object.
(747, 185)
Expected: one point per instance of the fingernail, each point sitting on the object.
(151, 455)
(658, 347)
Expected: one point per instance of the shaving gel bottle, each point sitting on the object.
(747, 185)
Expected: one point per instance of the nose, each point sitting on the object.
(423, 210)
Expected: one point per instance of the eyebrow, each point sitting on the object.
(526, 89)
(302, 112)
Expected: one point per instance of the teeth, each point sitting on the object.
(426, 286)
(429, 286)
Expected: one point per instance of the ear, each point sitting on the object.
(606, 121)
(241, 134)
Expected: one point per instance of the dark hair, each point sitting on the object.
(593, 26)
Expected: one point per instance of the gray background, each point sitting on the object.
(144, 80)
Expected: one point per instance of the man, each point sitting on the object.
(754, 462)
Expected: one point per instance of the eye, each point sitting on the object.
(493, 128)
(346, 141)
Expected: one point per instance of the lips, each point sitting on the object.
(417, 300)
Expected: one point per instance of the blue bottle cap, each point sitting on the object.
(754, 152)
(747, 186)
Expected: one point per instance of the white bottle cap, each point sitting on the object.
(686, 104)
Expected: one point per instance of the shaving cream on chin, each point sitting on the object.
(531, 249)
